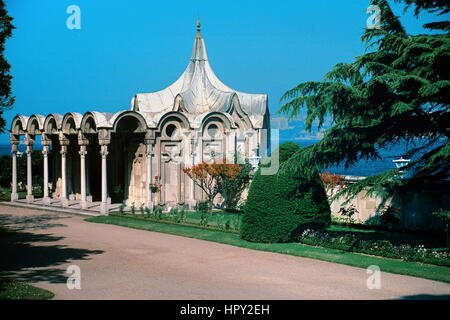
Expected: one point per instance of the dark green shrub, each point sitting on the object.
(390, 217)
(158, 212)
(280, 206)
(202, 206)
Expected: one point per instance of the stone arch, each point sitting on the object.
(71, 123)
(89, 123)
(35, 124)
(170, 148)
(173, 116)
(214, 127)
(128, 121)
(19, 125)
(222, 119)
(52, 123)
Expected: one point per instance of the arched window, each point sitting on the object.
(213, 130)
(171, 130)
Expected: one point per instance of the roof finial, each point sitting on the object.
(198, 24)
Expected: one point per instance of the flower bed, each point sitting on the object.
(383, 248)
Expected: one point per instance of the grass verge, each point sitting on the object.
(15, 290)
(415, 269)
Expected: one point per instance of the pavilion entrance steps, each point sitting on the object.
(73, 206)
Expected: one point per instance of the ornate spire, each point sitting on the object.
(198, 24)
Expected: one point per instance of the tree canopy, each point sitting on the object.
(6, 99)
(397, 91)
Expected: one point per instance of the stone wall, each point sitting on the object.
(418, 206)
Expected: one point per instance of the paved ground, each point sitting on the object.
(122, 263)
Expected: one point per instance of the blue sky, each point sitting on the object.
(127, 47)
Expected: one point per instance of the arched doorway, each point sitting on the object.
(127, 163)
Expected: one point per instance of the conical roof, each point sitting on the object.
(200, 90)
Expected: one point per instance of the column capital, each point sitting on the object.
(14, 148)
(104, 137)
(45, 141)
(14, 139)
(104, 151)
(250, 132)
(83, 151)
(29, 149)
(63, 151)
(228, 131)
(82, 139)
(29, 140)
(64, 142)
(45, 151)
(149, 149)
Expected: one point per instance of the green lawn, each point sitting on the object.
(219, 218)
(332, 255)
(16, 290)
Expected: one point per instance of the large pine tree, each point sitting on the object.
(398, 91)
(6, 99)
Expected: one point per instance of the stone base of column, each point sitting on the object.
(104, 208)
(46, 200)
(83, 204)
(14, 196)
(65, 202)
(30, 198)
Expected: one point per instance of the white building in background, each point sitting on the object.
(113, 157)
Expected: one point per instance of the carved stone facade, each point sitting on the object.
(113, 158)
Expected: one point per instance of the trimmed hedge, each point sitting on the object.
(280, 206)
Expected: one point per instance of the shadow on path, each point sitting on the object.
(427, 297)
(32, 257)
(41, 221)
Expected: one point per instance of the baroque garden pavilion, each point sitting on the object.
(103, 158)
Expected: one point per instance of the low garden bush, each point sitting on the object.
(280, 206)
(383, 248)
(221, 220)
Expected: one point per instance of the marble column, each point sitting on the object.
(45, 152)
(104, 205)
(83, 153)
(64, 200)
(30, 197)
(231, 145)
(192, 201)
(14, 194)
(149, 155)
